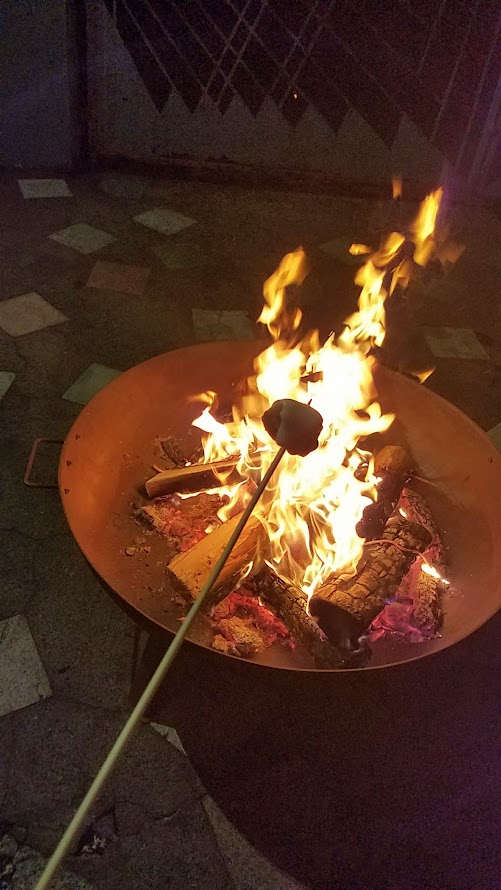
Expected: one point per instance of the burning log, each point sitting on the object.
(426, 585)
(190, 478)
(393, 466)
(192, 568)
(345, 607)
(290, 605)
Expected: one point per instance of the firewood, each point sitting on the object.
(393, 466)
(426, 590)
(345, 606)
(290, 605)
(191, 478)
(191, 569)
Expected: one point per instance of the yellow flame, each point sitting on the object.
(423, 228)
(312, 507)
(396, 187)
(431, 570)
(359, 249)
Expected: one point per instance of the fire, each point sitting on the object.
(311, 508)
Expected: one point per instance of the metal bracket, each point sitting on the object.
(31, 460)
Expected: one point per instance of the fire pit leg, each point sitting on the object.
(147, 662)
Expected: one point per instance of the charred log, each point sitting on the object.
(290, 605)
(393, 466)
(345, 606)
(427, 587)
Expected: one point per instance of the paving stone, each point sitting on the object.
(249, 870)
(176, 256)
(44, 188)
(90, 382)
(160, 835)
(169, 733)
(26, 867)
(17, 578)
(495, 436)
(163, 220)
(23, 680)
(119, 277)
(86, 639)
(454, 343)
(339, 248)
(222, 325)
(6, 380)
(82, 237)
(28, 313)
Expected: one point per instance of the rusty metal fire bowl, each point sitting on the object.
(109, 452)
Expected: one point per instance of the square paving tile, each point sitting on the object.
(6, 381)
(44, 188)
(222, 325)
(119, 277)
(495, 436)
(339, 249)
(82, 237)
(89, 383)
(23, 680)
(169, 733)
(28, 313)
(176, 256)
(454, 343)
(163, 220)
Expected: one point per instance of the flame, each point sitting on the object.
(396, 187)
(359, 249)
(312, 506)
(431, 570)
(423, 229)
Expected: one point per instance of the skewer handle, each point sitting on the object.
(155, 681)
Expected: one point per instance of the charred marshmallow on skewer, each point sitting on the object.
(293, 425)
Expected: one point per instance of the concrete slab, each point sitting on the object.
(44, 188)
(119, 277)
(23, 680)
(455, 343)
(83, 238)
(95, 378)
(6, 380)
(170, 734)
(495, 435)
(163, 220)
(28, 313)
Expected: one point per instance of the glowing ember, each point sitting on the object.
(313, 505)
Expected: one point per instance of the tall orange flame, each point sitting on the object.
(311, 510)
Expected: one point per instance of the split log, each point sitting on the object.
(290, 605)
(191, 569)
(394, 467)
(191, 478)
(345, 606)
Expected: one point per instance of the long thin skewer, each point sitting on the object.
(136, 715)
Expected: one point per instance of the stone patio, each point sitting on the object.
(100, 272)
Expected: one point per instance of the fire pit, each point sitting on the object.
(340, 552)
(111, 448)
